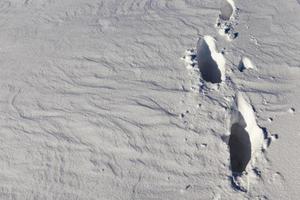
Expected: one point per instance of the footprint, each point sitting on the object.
(244, 131)
(227, 19)
(227, 9)
(246, 140)
(211, 63)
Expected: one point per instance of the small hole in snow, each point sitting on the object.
(270, 119)
(235, 35)
(275, 136)
(226, 30)
(292, 110)
(257, 172)
(187, 187)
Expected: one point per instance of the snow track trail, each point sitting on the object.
(96, 104)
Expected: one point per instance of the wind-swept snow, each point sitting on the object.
(95, 102)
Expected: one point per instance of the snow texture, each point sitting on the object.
(95, 103)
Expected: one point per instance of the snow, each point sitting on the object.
(228, 9)
(245, 116)
(246, 63)
(211, 63)
(96, 103)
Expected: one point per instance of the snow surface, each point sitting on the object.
(96, 103)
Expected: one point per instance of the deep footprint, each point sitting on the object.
(227, 9)
(211, 63)
(245, 142)
(246, 137)
(227, 19)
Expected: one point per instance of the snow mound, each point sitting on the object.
(211, 63)
(246, 63)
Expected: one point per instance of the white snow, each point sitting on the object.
(95, 103)
(246, 63)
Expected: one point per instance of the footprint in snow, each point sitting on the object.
(227, 19)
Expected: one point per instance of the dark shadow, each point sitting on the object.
(240, 148)
(207, 66)
(241, 66)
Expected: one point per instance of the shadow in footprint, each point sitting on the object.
(240, 148)
(226, 10)
(207, 66)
